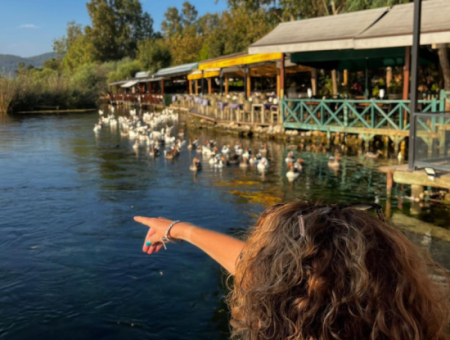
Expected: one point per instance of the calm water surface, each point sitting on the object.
(71, 264)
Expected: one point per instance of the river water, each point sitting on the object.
(71, 264)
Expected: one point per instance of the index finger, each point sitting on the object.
(144, 220)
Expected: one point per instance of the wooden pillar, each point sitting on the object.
(282, 76)
(249, 85)
(388, 77)
(209, 86)
(162, 87)
(196, 86)
(366, 86)
(334, 81)
(187, 85)
(406, 70)
(190, 86)
(117, 89)
(227, 82)
(278, 83)
(149, 84)
(345, 78)
(221, 84)
(314, 81)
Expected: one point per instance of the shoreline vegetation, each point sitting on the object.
(121, 41)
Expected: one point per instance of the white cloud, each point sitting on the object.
(28, 26)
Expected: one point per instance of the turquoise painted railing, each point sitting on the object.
(350, 115)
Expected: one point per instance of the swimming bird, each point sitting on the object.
(298, 164)
(244, 163)
(246, 153)
(263, 150)
(154, 152)
(290, 158)
(372, 155)
(226, 150)
(136, 144)
(333, 162)
(97, 127)
(263, 165)
(253, 160)
(293, 173)
(100, 112)
(196, 165)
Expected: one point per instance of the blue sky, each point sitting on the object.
(28, 27)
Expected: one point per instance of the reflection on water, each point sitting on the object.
(70, 254)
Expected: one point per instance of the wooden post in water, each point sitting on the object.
(406, 70)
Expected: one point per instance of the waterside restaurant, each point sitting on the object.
(285, 77)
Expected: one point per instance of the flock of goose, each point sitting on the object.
(154, 131)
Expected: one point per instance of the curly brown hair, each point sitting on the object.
(351, 276)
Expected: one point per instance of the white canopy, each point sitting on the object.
(395, 29)
(130, 83)
(318, 34)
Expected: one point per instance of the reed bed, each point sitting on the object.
(26, 93)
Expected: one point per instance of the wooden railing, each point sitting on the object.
(350, 115)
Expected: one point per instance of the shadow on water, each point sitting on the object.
(70, 253)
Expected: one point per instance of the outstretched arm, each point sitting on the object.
(222, 248)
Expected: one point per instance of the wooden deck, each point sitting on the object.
(194, 113)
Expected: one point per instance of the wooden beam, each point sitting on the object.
(149, 84)
(190, 86)
(406, 70)
(209, 86)
(162, 87)
(282, 76)
(196, 86)
(345, 78)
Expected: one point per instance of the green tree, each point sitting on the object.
(173, 22)
(154, 54)
(189, 14)
(63, 44)
(117, 27)
(80, 52)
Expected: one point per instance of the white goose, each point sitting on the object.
(293, 173)
(263, 164)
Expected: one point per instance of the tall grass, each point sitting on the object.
(8, 90)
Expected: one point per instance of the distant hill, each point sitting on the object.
(8, 62)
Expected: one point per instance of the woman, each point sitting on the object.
(321, 272)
